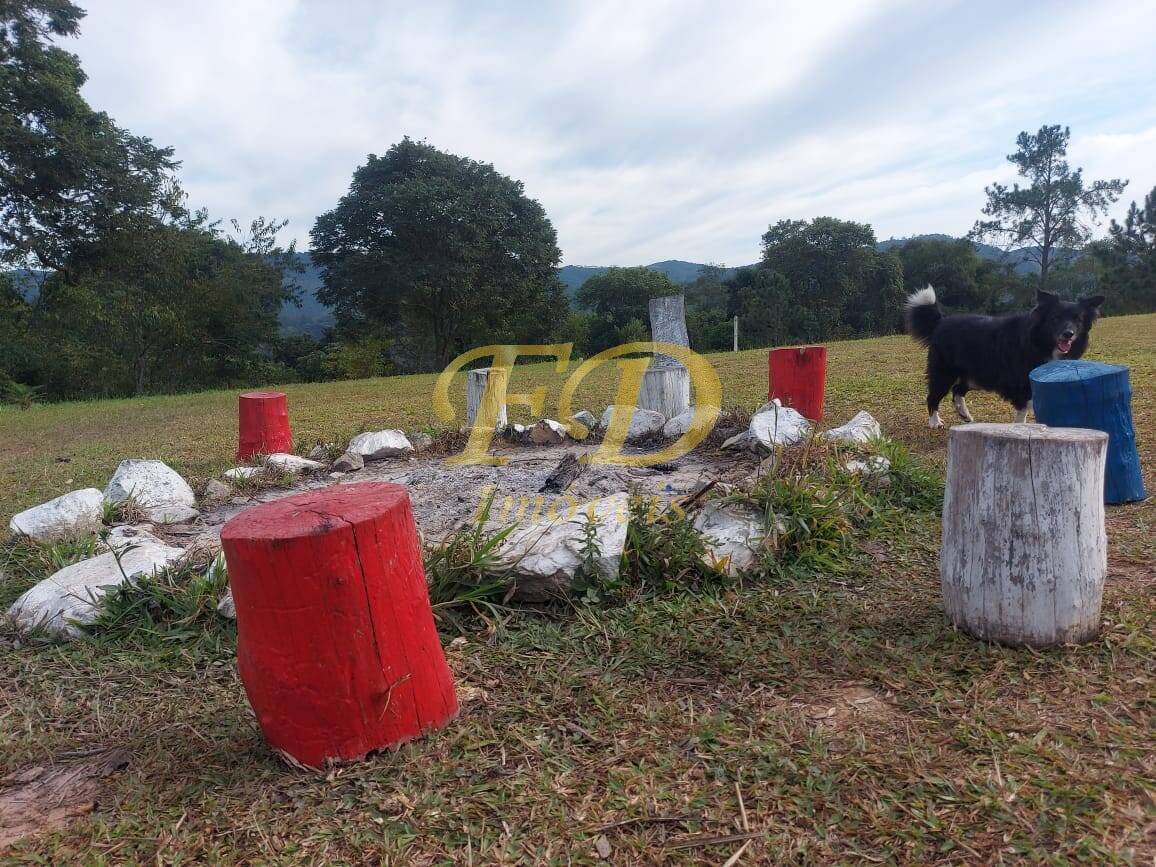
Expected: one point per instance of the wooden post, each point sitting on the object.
(336, 643)
(665, 390)
(1024, 550)
(736, 332)
(263, 424)
(476, 381)
(798, 377)
(1071, 393)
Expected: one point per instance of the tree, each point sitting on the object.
(835, 273)
(162, 307)
(441, 252)
(1128, 259)
(950, 265)
(620, 301)
(764, 302)
(69, 175)
(1054, 214)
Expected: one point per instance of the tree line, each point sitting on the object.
(115, 287)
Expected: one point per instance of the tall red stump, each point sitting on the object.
(263, 422)
(797, 378)
(336, 643)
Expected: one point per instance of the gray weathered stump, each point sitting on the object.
(1024, 549)
(666, 390)
(475, 389)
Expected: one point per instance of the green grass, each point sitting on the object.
(855, 723)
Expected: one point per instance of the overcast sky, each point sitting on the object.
(648, 131)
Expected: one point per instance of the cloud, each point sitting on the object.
(647, 130)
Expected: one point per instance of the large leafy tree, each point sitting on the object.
(835, 272)
(68, 174)
(620, 301)
(1054, 212)
(163, 307)
(440, 251)
(1128, 259)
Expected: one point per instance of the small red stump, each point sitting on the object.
(336, 643)
(263, 423)
(797, 378)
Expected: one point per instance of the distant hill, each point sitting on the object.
(313, 317)
(679, 272)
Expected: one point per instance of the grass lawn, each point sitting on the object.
(835, 714)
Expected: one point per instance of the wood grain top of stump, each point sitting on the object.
(1025, 431)
(313, 513)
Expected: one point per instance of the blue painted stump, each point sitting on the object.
(1088, 394)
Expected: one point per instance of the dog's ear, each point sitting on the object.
(1045, 299)
(1092, 303)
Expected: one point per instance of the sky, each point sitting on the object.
(647, 130)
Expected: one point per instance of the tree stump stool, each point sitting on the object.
(798, 377)
(336, 643)
(1024, 549)
(1098, 396)
(476, 381)
(665, 390)
(263, 424)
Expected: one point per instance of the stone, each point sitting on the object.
(215, 492)
(585, 418)
(548, 432)
(127, 535)
(741, 440)
(292, 463)
(72, 595)
(378, 445)
(733, 534)
(350, 462)
(238, 474)
(544, 557)
(69, 516)
(160, 492)
(680, 424)
(860, 430)
(668, 325)
(320, 452)
(225, 606)
(515, 432)
(644, 423)
(421, 441)
(777, 425)
(876, 465)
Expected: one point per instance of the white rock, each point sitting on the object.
(778, 425)
(70, 516)
(585, 417)
(548, 432)
(861, 429)
(225, 607)
(71, 595)
(381, 444)
(292, 463)
(680, 424)
(239, 473)
(733, 534)
(348, 463)
(738, 441)
(126, 536)
(545, 556)
(215, 492)
(164, 497)
(876, 465)
(644, 423)
(514, 431)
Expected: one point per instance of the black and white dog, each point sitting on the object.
(995, 353)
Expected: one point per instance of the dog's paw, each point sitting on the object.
(934, 421)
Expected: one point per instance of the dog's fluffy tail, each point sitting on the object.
(922, 314)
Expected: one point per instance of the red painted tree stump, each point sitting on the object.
(336, 643)
(263, 423)
(798, 376)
